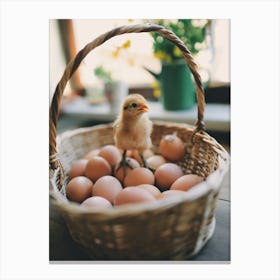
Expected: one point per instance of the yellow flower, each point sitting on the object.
(177, 52)
(163, 56)
(160, 55)
(115, 53)
(154, 84)
(126, 44)
(156, 89)
(156, 93)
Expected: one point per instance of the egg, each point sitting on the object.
(167, 174)
(78, 168)
(119, 172)
(107, 187)
(79, 188)
(155, 161)
(169, 193)
(148, 153)
(111, 154)
(150, 188)
(186, 182)
(172, 147)
(91, 154)
(96, 202)
(97, 167)
(138, 176)
(133, 195)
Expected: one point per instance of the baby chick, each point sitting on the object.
(132, 128)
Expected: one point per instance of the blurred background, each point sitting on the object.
(143, 63)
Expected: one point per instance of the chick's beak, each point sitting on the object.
(143, 108)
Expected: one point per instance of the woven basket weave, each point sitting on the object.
(172, 229)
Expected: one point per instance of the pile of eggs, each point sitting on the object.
(98, 181)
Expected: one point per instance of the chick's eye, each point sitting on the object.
(133, 105)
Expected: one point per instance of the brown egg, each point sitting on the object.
(107, 187)
(96, 202)
(78, 168)
(167, 174)
(111, 154)
(79, 188)
(150, 188)
(133, 195)
(92, 154)
(155, 161)
(148, 153)
(119, 172)
(138, 176)
(172, 147)
(169, 193)
(97, 167)
(186, 182)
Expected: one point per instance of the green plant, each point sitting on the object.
(192, 32)
(104, 75)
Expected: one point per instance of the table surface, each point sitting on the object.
(216, 116)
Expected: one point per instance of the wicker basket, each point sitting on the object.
(172, 229)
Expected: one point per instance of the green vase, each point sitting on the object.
(177, 87)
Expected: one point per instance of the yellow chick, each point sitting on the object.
(132, 128)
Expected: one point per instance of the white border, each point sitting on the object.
(255, 138)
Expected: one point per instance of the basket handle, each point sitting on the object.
(74, 64)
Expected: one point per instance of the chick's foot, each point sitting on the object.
(124, 163)
(145, 164)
